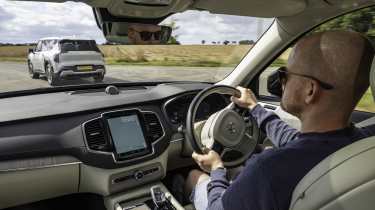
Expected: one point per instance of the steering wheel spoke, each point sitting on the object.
(198, 127)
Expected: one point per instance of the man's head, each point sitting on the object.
(341, 59)
(144, 33)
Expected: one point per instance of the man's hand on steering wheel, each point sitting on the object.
(247, 99)
(211, 160)
(208, 161)
(230, 134)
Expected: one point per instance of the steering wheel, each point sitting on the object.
(232, 132)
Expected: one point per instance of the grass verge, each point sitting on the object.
(367, 103)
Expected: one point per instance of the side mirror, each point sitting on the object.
(274, 84)
(31, 50)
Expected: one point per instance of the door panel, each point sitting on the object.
(356, 117)
(359, 116)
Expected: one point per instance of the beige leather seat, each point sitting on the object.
(344, 180)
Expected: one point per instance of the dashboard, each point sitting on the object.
(87, 141)
(74, 141)
(91, 126)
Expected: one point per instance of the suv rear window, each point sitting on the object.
(78, 45)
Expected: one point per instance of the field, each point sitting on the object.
(13, 53)
(155, 55)
(173, 55)
(367, 103)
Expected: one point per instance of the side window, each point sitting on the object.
(367, 103)
(362, 21)
(38, 46)
(51, 44)
(47, 45)
(44, 45)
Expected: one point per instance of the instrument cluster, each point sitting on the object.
(176, 108)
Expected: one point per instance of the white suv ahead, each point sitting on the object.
(61, 58)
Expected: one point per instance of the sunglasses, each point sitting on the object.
(146, 36)
(283, 73)
(279, 77)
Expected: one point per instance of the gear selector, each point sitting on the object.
(160, 200)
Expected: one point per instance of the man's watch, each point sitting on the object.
(221, 167)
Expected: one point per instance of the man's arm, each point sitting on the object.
(211, 162)
(216, 188)
(250, 190)
(222, 194)
(278, 131)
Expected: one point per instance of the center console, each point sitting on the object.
(154, 196)
(137, 144)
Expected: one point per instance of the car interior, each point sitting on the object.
(60, 147)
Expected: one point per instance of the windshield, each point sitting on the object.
(58, 44)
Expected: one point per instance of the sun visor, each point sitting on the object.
(151, 9)
(256, 8)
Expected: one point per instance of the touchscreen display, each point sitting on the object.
(127, 133)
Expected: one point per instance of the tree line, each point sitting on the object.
(226, 42)
(361, 21)
(17, 44)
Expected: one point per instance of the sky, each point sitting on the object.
(26, 22)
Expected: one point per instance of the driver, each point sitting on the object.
(338, 58)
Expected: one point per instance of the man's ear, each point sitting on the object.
(311, 91)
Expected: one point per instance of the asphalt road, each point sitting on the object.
(14, 76)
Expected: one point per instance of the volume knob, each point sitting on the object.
(138, 175)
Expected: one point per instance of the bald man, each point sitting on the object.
(326, 75)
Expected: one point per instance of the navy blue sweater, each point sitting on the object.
(269, 178)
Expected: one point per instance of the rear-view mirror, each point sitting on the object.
(136, 33)
(31, 50)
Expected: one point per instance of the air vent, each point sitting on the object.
(154, 128)
(94, 131)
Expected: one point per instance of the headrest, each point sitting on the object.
(372, 78)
